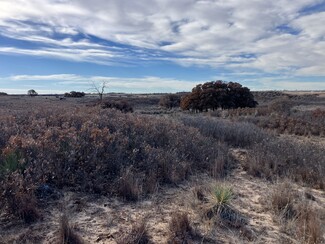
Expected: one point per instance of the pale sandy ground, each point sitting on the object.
(103, 220)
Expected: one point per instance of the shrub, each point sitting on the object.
(91, 150)
(19, 199)
(281, 105)
(218, 94)
(74, 94)
(3, 94)
(170, 101)
(122, 105)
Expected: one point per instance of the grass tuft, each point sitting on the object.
(180, 230)
(67, 235)
(138, 234)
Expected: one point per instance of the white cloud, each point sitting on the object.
(115, 84)
(277, 35)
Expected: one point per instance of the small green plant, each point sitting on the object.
(217, 200)
(217, 208)
(223, 195)
(12, 161)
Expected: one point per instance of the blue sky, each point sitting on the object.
(55, 46)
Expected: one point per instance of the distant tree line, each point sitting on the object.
(74, 94)
(3, 94)
(218, 94)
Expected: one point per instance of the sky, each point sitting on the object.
(143, 46)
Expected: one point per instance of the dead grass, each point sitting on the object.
(180, 230)
(301, 162)
(129, 188)
(138, 234)
(283, 199)
(297, 216)
(308, 225)
(66, 233)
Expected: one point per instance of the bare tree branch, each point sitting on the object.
(99, 88)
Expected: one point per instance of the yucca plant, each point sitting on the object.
(11, 163)
(223, 195)
(220, 209)
(218, 200)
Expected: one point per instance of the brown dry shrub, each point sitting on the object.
(121, 105)
(170, 101)
(88, 149)
(19, 199)
(281, 105)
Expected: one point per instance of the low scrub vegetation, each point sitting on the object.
(88, 148)
(301, 162)
(170, 101)
(121, 105)
(235, 134)
(101, 151)
(270, 156)
(283, 115)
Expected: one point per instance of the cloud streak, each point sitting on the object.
(116, 84)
